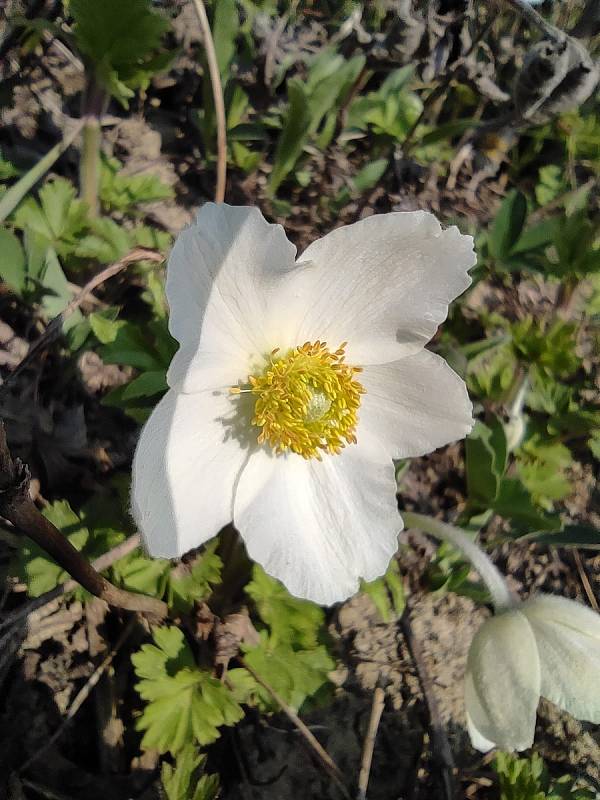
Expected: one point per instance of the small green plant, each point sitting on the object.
(529, 779)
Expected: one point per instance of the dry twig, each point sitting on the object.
(217, 90)
(369, 745)
(18, 508)
(322, 754)
(103, 562)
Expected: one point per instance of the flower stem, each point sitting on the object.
(501, 595)
(95, 101)
(89, 166)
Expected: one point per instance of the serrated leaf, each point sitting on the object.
(119, 40)
(193, 582)
(40, 572)
(184, 703)
(295, 675)
(58, 219)
(180, 780)
(122, 192)
(106, 243)
(291, 620)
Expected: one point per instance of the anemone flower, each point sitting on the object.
(295, 385)
(547, 646)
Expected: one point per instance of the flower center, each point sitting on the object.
(307, 400)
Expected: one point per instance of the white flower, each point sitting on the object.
(545, 646)
(294, 386)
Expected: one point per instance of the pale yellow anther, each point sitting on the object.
(306, 400)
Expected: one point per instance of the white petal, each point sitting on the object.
(502, 684)
(319, 526)
(184, 471)
(414, 405)
(568, 639)
(222, 274)
(382, 284)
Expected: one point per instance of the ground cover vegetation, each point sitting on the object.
(224, 685)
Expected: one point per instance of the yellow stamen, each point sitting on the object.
(306, 400)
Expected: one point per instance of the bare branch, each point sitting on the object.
(17, 507)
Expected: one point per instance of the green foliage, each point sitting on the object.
(507, 226)
(57, 219)
(529, 779)
(387, 592)
(193, 581)
(149, 350)
(122, 192)
(120, 43)
(39, 571)
(312, 101)
(183, 703)
(13, 264)
(291, 621)
(181, 780)
(391, 111)
(295, 675)
(486, 459)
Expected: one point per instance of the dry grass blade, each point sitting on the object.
(217, 90)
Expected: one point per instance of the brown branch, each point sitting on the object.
(369, 745)
(100, 564)
(54, 327)
(17, 507)
(324, 758)
(217, 90)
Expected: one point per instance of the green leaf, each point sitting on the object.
(387, 592)
(191, 582)
(104, 325)
(295, 675)
(122, 192)
(119, 40)
(583, 536)
(56, 290)
(40, 572)
(516, 504)
(12, 261)
(225, 27)
(291, 620)
(131, 347)
(107, 242)
(180, 780)
(183, 703)
(508, 225)
(148, 384)
(486, 455)
(58, 219)
(293, 136)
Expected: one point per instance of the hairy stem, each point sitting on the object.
(95, 102)
(501, 595)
